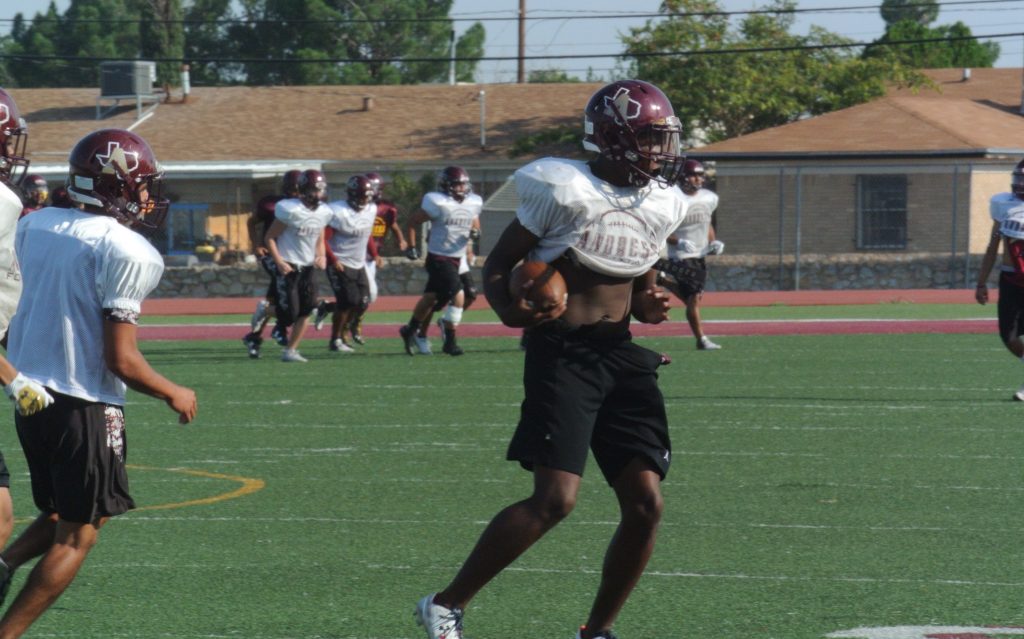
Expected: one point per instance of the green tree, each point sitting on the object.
(720, 94)
(542, 76)
(161, 37)
(922, 12)
(958, 50)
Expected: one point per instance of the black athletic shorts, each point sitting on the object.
(351, 287)
(442, 279)
(588, 391)
(296, 295)
(1010, 307)
(468, 288)
(687, 277)
(76, 453)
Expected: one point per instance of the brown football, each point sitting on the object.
(548, 284)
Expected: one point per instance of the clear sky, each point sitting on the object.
(560, 36)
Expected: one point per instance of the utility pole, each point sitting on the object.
(521, 73)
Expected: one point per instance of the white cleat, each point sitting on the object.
(339, 346)
(292, 355)
(1019, 395)
(438, 621)
(423, 345)
(706, 344)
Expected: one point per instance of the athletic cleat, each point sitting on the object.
(604, 634)
(423, 345)
(444, 333)
(292, 355)
(408, 339)
(339, 346)
(438, 621)
(258, 315)
(321, 315)
(6, 574)
(1019, 395)
(453, 349)
(253, 342)
(356, 329)
(280, 335)
(704, 344)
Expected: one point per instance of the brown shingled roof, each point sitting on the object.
(240, 124)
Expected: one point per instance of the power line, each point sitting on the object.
(644, 54)
(581, 16)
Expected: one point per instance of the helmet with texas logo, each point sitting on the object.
(312, 187)
(693, 177)
(114, 172)
(1017, 181)
(13, 140)
(632, 125)
(360, 191)
(378, 185)
(454, 182)
(290, 183)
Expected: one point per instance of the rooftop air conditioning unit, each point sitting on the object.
(131, 78)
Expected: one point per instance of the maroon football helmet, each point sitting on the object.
(360, 191)
(454, 181)
(632, 124)
(290, 183)
(35, 190)
(59, 198)
(13, 140)
(693, 177)
(1017, 181)
(378, 185)
(114, 172)
(312, 188)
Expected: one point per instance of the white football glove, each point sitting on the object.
(714, 248)
(686, 246)
(29, 397)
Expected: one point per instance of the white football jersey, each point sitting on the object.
(1012, 224)
(352, 231)
(450, 222)
(617, 231)
(10, 273)
(694, 227)
(1002, 204)
(80, 264)
(297, 243)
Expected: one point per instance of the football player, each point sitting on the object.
(35, 192)
(686, 271)
(258, 224)
(452, 211)
(295, 242)
(1007, 211)
(29, 397)
(466, 296)
(348, 238)
(602, 224)
(86, 354)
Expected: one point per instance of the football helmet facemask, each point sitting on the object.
(454, 182)
(13, 140)
(1017, 180)
(35, 189)
(114, 172)
(632, 124)
(360, 191)
(693, 177)
(312, 188)
(378, 185)
(290, 183)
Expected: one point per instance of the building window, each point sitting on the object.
(881, 211)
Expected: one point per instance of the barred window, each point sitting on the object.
(881, 211)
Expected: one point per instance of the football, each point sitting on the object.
(548, 284)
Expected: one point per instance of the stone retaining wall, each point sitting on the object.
(399, 276)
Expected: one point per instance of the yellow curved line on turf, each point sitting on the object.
(249, 485)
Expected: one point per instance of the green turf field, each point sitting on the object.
(819, 484)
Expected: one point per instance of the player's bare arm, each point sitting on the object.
(122, 356)
(399, 236)
(649, 303)
(275, 231)
(418, 218)
(987, 262)
(513, 245)
(320, 261)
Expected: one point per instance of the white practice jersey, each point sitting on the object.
(352, 231)
(695, 225)
(297, 243)
(10, 273)
(79, 264)
(617, 231)
(1002, 204)
(450, 222)
(1012, 223)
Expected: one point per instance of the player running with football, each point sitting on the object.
(295, 242)
(686, 271)
(587, 385)
(258, 224)
(452, 211)
(85, 352)
(1007, 211)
